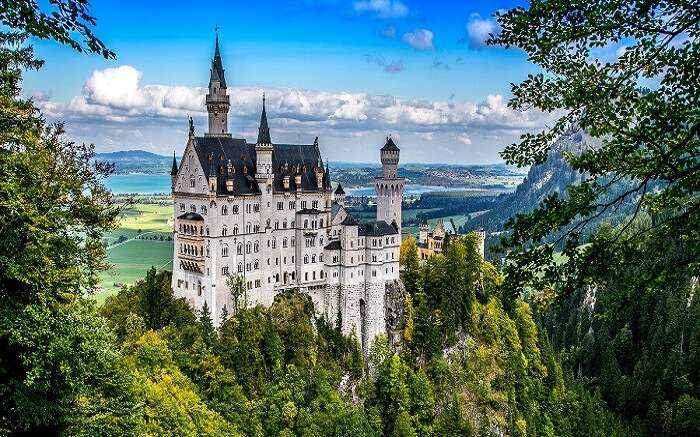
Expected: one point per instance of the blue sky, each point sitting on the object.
(350, 72)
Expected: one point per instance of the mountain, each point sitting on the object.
(552, 176)
(137, 161)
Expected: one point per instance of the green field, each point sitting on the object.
(142, 225)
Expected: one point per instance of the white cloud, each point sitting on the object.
(382, 8)
(419, 39)
(464, 139)
(115, 101)
(478, 30)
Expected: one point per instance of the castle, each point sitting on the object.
(430, 243)
(267, 212)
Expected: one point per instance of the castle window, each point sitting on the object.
(192, 182)
(284, 243)
(240, 267)
(274, 243)
(314, 204)
(235, 230)
(207, 230)
(203, 209)
(306, 259)
(303, 204)
(374, 273)
(306, 224)
(224, 231)
(267, 225)
(224, 271)
(182, 207)
(280, 206)
(277, 277)
(256, 207)
(313, 258)
(248, 267)
(314, 275)
(247, 208)
(239, 249)
(321, 223)
(234, 209)
(256, 264)
(292, 205)
(193, 208)
(248, 247)
(256, 247)
(256, 228)
(199, 288)
(293, 241)
(277, 224)
(320, 258)
(306, 276)
(224, 250)
(224, 210)
(248, 228)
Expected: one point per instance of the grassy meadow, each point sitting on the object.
(143, 239)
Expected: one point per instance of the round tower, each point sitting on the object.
(217, 100)
(389, 186)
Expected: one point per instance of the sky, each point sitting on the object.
(350, 72)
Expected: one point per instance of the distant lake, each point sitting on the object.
(138, 183)
(160, 183)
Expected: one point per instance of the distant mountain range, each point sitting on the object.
(137, 161)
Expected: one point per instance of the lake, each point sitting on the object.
(160, 183)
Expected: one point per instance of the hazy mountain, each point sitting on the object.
(137, 161)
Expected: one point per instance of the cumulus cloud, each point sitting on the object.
(478, 30)
(114, 101)
(419, 39)
(382, 8)
(389, 67)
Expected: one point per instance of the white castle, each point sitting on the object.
(266, 212)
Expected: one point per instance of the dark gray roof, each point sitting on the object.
(309, 211)
(264, 129)
(349, 220)
(217, 69)
(339, 189)
(173, 171)
(333, 245)
(390, 145)
(191, 216)
(215, 152)
(377, 228)
(335, 208)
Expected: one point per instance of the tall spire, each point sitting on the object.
(173, 171)
(264, 129)
(217, 69)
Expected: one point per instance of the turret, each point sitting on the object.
(263, 149)
(173, 170)
(389, 186)
(339, 195)
(423, 233)
(217, 100)
(389, 158)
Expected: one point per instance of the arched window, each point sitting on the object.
(268, 223)
(274, 243)
(306, 259)
(256, 247)
(248, 228)
(224, 250)
(248, 247)
(320, 223)
(277, 224)
(224, 210)
(240, 267)
(284, 224)
(284, 242)
(306, 223)
(239, 249)
(235, 230)
(193, 208)
(256, 265)
(313, 258)
(234, 209)
(224, 231)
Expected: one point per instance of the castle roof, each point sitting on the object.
(264, 129)
(390, 146)
(333, 245)
(309, 211)
(214, 153)
(377, 228)
(173, 170)
(339, 190)
(191, 216)
(349, 220)
(217, 68)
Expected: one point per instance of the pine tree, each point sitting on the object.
(207, 325)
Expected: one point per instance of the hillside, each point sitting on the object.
(553, 176)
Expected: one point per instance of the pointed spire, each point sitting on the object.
(173, 171)
(264, 129)
(217, 69)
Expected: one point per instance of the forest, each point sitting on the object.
(585, 327)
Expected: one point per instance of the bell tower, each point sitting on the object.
(217, 100)
(389, 186)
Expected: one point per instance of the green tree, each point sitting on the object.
(237, 289)
(409, 260)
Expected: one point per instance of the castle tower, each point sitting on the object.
(263, 148)
(173, 172)
(389, 186)
(423, 233)
(217, 100)
(339, 195)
